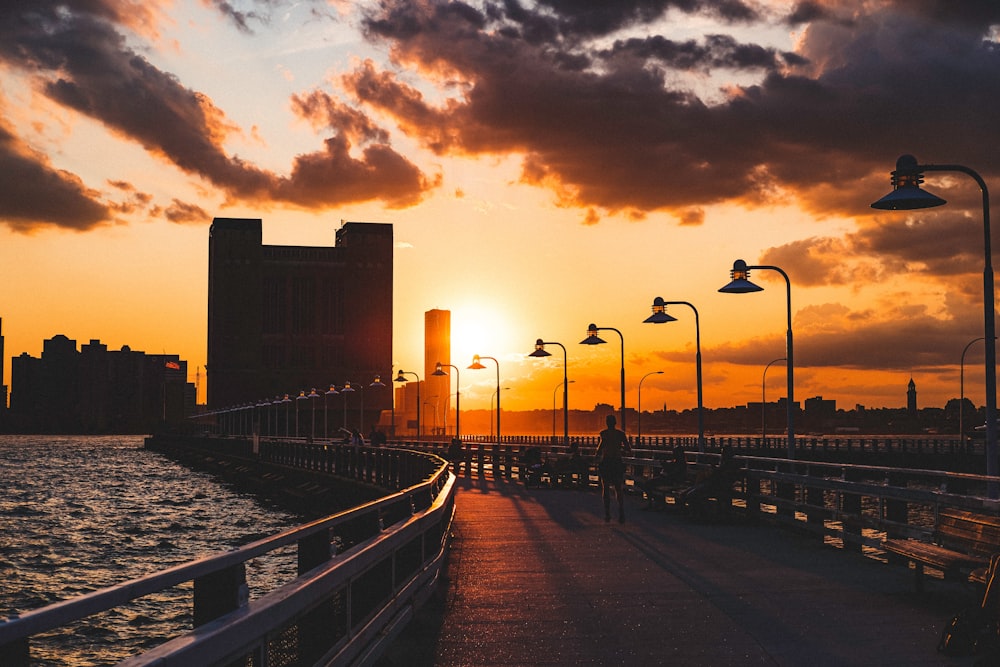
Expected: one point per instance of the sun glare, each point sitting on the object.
(476, 330)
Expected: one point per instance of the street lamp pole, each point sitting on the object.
(332, 391)
(763, 402)
(594, 339)
(439, 370)
(554, 390)
(540, 352)
(908, 195)
(660, 316)
(740, 284)
(477, 365)
(961, 389)
(639, 434)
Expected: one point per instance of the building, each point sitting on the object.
(437, 348)
(911, 399)
(95, 390)
(287, 319)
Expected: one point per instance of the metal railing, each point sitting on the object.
(361, 573)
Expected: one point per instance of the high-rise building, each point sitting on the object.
(437, 348)
(285, 319)
(911, 398)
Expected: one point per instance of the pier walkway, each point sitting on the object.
(536, 577)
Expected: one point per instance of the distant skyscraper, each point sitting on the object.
(437, 348)
(911, 398)
(284, 319)
(3, 387)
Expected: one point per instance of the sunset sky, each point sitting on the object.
(545, 165)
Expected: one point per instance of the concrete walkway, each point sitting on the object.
(536, 577)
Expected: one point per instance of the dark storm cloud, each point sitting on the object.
(35, 194)
(605, 127)
(82, 62)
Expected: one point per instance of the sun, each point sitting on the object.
(477, 330)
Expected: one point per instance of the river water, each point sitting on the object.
(81, 513)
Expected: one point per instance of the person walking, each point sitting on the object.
(612, 446)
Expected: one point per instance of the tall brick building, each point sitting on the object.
(285, 319)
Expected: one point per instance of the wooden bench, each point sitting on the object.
(963, 543)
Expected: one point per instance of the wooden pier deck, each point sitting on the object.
(536, 577)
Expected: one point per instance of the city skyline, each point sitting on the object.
(543, 169)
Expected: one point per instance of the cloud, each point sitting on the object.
(604, 125)
(83, 62)
(35, 194)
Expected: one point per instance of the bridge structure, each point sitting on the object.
(476, 568)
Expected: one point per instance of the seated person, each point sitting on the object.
(672, 474)
(718, 483)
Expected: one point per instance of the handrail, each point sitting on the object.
(422, 511)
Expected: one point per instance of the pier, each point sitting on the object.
(480, 569)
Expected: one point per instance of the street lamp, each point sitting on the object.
(594, 339)
(287, 401)
(345, 390)
(476, 365)
(312, 413)
(639, 429)
(554, 390)
(740, 284)
(540, 352)
(496, 393)
(439, 370)
(301, 397)
(763, 401)
(961, 386)
(274, 427)
(908, 195)
(332, 391)
(660, 316)
(377, 382)
(400, 378)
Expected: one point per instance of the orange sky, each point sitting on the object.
(543, 169)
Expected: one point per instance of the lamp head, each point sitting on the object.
(301, 396)
(333, 390)
(313, 394)
(659, 315)
(347, 387)
(592, 337)
(438, 370)
(377, 382)
(476, 365)
(907, 195)
(740, 283)
(400, 377)
(540, 350)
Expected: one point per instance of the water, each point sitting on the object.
(81, 513)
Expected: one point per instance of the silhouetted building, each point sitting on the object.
(3, 387)
(96, 390)
(285, 319)
(911, 399)
(437, 348)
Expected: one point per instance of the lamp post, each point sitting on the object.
(554, 390)
(400, 377)
(312, 413)
(540, 352)
(763, 401)
(377, 382)
(476, 365)
(332, 391)
(345, 390)
(301, 397)
(594, 339)
(961, 389)
(287, 401)
(660, 316)
(496, 394)
(908, 195)
(439, 370)
(740, 284)
(274, 426)
(639, 428)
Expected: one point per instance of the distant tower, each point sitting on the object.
(911, 399)
(437, 348)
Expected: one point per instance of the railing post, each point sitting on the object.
(850, 506)
(219, 593)
(313, 551)
(16, 654)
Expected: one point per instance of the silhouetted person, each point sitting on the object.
(718, 484)
(612, 445)
(672, 475)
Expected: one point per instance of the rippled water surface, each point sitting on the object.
(82, 513)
